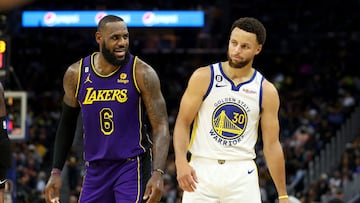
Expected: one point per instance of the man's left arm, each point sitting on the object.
(154, 101)
(272, 148)
(157, 113)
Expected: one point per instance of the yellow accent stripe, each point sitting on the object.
(92, 62)
(92, 59)
(134, 74)
(193, 133)
(139, 181)
(141, 125)
(257, 130)
(79, 77)
(139, 103)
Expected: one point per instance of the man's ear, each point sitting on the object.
(98, 37)
(258, 49)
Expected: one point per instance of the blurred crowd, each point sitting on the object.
(310, 55)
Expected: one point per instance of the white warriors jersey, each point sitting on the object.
(226, 126)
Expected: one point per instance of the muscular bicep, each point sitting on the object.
(152, 97)
(70, 81)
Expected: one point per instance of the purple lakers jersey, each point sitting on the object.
(111, 109)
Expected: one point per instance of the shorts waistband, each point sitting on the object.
(108, 162)
(218, 161)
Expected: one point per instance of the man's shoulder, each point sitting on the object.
(203, 70)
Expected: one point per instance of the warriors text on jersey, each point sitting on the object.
(111, 109)
(226, 126)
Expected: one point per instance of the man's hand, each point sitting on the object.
(154, 188)
(186, 177)
(52, 189)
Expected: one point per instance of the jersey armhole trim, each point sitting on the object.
(79, 78)
(134, 75)
(261, 93)
(211, 81)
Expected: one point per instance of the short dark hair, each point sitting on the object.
(108, 19)
(251, 25)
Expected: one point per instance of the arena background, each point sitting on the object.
(311, 54)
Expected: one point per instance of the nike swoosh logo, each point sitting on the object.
(217, 85)
(250, 171)
(2, 181)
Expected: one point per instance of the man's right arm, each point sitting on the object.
(70, 110)
(65, 132)
(189, 106)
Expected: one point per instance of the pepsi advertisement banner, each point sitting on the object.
(132, 18)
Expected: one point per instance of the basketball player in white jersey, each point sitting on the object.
(224, 103)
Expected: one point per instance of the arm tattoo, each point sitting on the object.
(154, 100)
(156, 109)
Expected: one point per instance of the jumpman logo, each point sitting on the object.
(88, 79)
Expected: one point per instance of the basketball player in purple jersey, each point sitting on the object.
(111, 88)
